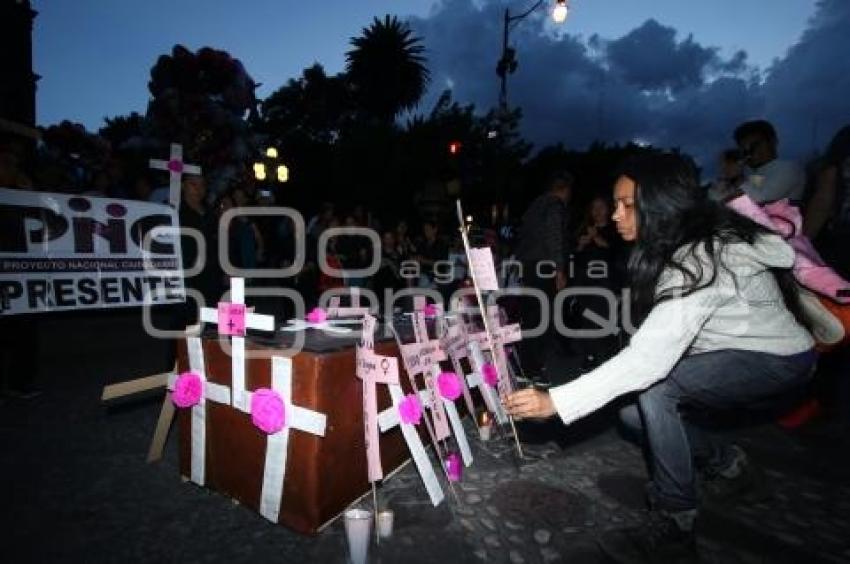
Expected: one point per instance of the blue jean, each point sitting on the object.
(671, 419)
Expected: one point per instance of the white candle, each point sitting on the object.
(358, 525)
(385, 524)
(484, 425)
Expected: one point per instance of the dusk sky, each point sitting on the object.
(661, 71)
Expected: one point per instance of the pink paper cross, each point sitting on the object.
(231, 319)
(373, 369)
(423, 357)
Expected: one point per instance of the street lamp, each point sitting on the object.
(559, 14)
(508, 62)
(270, 167)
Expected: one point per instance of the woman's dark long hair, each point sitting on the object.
(674, 212)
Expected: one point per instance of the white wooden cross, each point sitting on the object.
(423, 357)
(233, 320)
(373, 369)
(391, 417)
(354, 310)
(503, 335)
(211, 391)
(454, 418)
(298, 418)
(176, 168)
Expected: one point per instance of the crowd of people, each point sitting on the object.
(738, 295)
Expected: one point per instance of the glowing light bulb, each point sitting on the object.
(259, 171)
(282, 173)
(559, 14)
(271, 153)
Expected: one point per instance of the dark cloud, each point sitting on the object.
(807, 91)
(651, 58)
(648, 85)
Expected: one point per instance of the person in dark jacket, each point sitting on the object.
(542, 250)
(195, 215)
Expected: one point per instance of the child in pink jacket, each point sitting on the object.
(825, 295)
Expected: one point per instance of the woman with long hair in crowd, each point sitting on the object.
(599, 264)
(717, 330)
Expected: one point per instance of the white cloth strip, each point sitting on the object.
(217, 393)
(237, 290)
(274, 470)
(294, 325)
(259, 321)
(306, 420)
(274, 473)
(199, 440)
(417, 450)
(237, 384)
(209, 315)
(199, 426)
(388, 418)
(347, 311)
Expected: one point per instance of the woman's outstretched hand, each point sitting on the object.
(530, 404)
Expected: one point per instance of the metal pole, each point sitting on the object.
(506, 29)
(503, 92)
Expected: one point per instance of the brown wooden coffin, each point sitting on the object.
(324, 474)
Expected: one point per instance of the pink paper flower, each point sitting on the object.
(268, 411)
(410, 410)
(430, 310)
(449, 385)
(454, 467)
(317, 315)
(188, 388)
(491, 375)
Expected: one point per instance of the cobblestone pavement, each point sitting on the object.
(76, 488)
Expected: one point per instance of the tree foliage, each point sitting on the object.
(202, 100)
(387, 68)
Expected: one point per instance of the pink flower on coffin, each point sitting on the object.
(449, 385)
(430, 310)
(491, 375)
(188, 388)
(268, 412)
(454, 467)
(410, 410)
(317, 315)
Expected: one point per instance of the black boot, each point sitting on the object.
(663, 537)
(739, 479)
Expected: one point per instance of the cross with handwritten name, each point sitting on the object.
(423, 357)
(390, 418)
(373, 369)
(503, 335)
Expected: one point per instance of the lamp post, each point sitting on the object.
(508, 62)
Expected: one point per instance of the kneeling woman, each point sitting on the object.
(717, 330)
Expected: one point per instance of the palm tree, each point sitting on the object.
(386, 68)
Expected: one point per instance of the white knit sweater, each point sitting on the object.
(743, 309)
